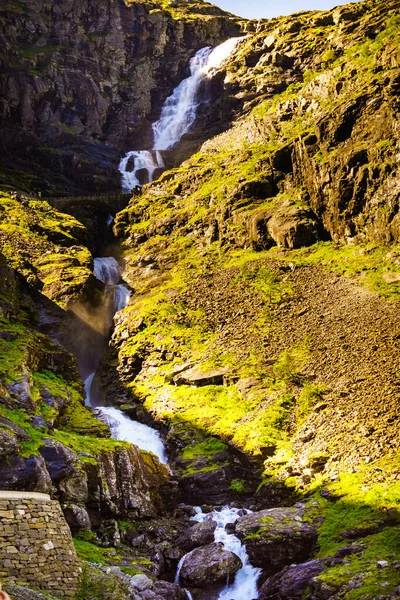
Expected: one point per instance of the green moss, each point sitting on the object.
(19, 417)
(90, 445)
(208, 447)
(238, 486)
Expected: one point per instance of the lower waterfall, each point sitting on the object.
(108, 270)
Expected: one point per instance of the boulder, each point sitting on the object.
(209, 564)
(198, 535)
(292, 227)
(292, 582)
(277, 537)
(77, 518)
(168, 591)
(198, 378)
(141, 582)
(8, 443)
(30, 474)
(66, 472)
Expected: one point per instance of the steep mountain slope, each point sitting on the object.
(287, 355)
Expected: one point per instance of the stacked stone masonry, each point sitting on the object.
(36, 546)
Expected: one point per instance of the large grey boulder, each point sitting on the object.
(77, 518)
(197, 535)
(209, 564)
(292, 582)
(277, 537)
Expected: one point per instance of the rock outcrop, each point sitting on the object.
(199, 534)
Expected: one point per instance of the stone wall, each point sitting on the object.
(36, 546)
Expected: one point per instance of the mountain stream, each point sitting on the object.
(177, 117)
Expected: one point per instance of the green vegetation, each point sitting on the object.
(209, 447)
(238, 486)
(373, 266)
(248, 423)
(44, 245)
(367, 500)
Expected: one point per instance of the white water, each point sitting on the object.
(244, 586)
(177, 115)
(142, 159)
(107, 270)
(179, 111)
(124, 429)
(121, 296)
(88, 384)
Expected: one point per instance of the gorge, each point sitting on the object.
(205, 381)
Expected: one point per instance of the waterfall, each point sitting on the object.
(88, 384)
(177, 115)
(124, 429)
(244, 586)
(142, 160)
(108, 270)
(179, 111)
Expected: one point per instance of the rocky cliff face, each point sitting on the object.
(81, 81)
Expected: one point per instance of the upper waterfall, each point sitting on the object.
(177, 115)
(179, 111)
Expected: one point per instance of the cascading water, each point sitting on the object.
(177, 115)
(108, 271)
(244, 586)
(123, 428)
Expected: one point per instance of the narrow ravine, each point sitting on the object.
(177, 117)
(244, 586)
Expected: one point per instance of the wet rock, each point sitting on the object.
(209, 564)
(212, 486)
(197, 535)
(292, 582)
(277, 537)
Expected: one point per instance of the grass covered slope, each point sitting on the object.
(266, 272)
